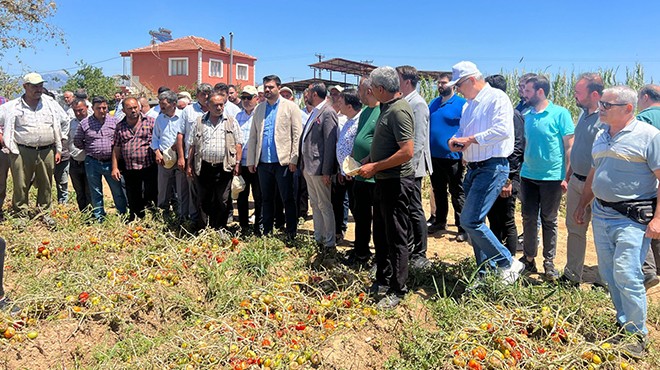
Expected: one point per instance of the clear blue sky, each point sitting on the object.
(433, 35)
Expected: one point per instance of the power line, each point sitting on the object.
(76, 67)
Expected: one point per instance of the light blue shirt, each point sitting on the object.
(268, 150)
(245, 122)
(545, 157)
(189, 116)
(624, 164)
(166, 129)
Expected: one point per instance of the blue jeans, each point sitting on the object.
(96, 169)
(482, 186)
(621, 248)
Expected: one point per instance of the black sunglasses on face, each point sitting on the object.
(605, 105)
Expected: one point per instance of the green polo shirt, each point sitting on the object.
(365, 135)
(650, 115)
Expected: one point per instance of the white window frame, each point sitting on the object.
(247, 72)
(222, 67)
(169, 66)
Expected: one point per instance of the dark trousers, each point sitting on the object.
(502, 219)
(3, 251)
(79, 181)
(302, 195)
(275, 178)
(243, 203)
(141, 189)
(651, 264)
(418, 222)
(363, 195)
(392, 219)
(544, 197)
(342, 202)
(448, 174)
(214, 190)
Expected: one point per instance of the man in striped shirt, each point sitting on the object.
(486, 138)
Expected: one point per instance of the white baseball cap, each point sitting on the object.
(461, 70)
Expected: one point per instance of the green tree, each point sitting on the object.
(25, 22)
(92, 80)
(9, 86)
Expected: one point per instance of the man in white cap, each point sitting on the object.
(30, 127)
(486, 138)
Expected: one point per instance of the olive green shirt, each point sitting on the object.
(395, 125)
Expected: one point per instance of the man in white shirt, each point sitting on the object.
(231, 109)
(485, 137)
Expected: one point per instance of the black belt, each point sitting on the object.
(580, 177)
(43, 147)
(219, 164)
(475, 165)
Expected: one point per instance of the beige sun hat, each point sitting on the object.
(169, 157)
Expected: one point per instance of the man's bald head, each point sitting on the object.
(648, 96)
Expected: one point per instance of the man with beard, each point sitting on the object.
(523, 105)
(549, 137)
(587, 91)
(445, 113)
(232, 96)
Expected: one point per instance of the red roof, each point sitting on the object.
(186, 43)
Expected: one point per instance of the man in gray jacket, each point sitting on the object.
(408, 79)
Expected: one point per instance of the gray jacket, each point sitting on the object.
(318, 143)
(422, 151)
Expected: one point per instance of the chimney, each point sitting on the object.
(223, 44)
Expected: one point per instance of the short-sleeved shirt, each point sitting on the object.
(190, 115)
(624, 164)
(650, 115)
(364, 136)
(545, 157)
(268, 148)
(166, 130)
(345, 140)
(445, 119)
(212, 148)
(96, 137)
(585, 133)
(395, 124)
(135, 143)
(245, 122)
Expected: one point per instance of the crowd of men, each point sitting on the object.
(185, 157)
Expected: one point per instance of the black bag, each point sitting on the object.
(640, 211)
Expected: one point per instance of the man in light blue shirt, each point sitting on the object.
(549, 137)
(169, 124)
(624, 177)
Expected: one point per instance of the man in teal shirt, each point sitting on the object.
(648, 103)
(549, 136)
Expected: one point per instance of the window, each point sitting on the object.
(242, 72)
(178, 66)
(215, 68)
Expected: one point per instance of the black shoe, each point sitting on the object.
(437, 228)
(377, 289)
(564, 280)
(530, 266)
(634, 347)
(352, 258)
(430, 221)
(520, 247)
(6, 303)
(650, 281)
(389, 302)
(462, 237)
(551, 273)
(420, 263)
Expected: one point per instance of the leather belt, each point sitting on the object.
(43, 147)
(580, 177)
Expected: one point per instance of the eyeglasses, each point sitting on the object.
(459, 83)
(247, 97)
(605, 105)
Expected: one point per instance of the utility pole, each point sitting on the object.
(231, 56)
(320, 56)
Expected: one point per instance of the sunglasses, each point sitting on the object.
(605, 105)
(247, 97)
(459, 83)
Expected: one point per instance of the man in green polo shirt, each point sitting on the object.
(648, 103)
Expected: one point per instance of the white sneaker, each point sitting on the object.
(512, 273)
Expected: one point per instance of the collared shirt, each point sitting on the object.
(166, 129)
(445, 119)
(231, 109)
(346, 139)
(190, 115)
(585, 133)
(364, 136)
(395, 125)
(75, 152)
(624, 164)
(268, 150)
(489, 118)
(212, 148)
(154, 111)
(96, 137)
(37, 127)
(135, 143)
(650, 115)
(244, 120)
(545, 156)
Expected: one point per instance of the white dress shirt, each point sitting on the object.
(489, 118)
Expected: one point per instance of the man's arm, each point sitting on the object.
(296, 131)
(585, 199)
(653, 228)
(252, 143)
(568, 146)
(404, 154)
(79, 138)
(329, 124)
(181, 160)
(116, 153)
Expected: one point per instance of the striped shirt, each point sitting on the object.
(489, 118)
(212, 149)
(134, 143)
